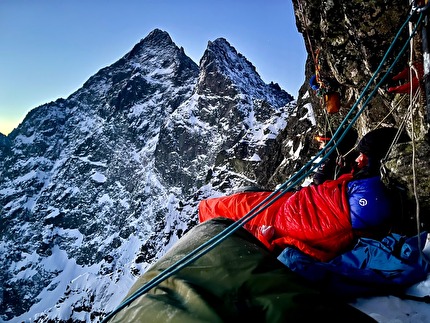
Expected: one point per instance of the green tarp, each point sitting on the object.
(239, 280)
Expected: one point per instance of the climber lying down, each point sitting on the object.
(323, 220)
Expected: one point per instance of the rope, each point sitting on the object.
(417, 202)
(275, 195)
(424, 299)
(373, 77)
(321, 83)
(354, 119)
(391, 111)
(413, 144)
(330, 129)
(382, 121)
(314, 54)
(414, 98)
(414, 184)
(300, 11)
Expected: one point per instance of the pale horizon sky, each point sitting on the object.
(49, 48)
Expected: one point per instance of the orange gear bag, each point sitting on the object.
(332, 102)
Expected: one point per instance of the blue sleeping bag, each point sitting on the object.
(370, 204)
(372, 267)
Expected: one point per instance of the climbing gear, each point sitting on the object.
(314, 84)
(404, 74)
(323, 88)
(332, 102)
(330, 98)
(319, 138)
(421, 8)
(416, 75)
(287, 186)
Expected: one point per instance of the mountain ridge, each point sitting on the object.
(95, 178)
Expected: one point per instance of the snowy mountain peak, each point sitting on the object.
(230, 97)
(225, 71)
(227, 55)
(154, 59)
(94, 187)
(157, 41)
(157, 37)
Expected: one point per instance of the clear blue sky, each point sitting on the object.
(49, 48)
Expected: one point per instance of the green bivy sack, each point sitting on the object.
(237, 280)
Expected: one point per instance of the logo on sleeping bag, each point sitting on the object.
(362, 202)
(370, 205)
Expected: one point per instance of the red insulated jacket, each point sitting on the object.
(314, 219)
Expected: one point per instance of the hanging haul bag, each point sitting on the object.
(332, 102)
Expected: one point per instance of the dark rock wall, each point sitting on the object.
(346, 41)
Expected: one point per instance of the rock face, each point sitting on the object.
(230, 99)
(346, 43)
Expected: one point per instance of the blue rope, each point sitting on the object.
(351, 111)
(285, 187)
(354, 119)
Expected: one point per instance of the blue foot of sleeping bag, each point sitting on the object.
(372, 267)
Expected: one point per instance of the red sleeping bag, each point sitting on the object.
(237, 205)
(314, 219)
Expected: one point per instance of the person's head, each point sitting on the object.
(340, 161)
(374, 146)
(362, 160)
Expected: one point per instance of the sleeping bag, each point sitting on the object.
(315, 219)
(372, 267)
(237, 281)
(237, 205)
(371, 206)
